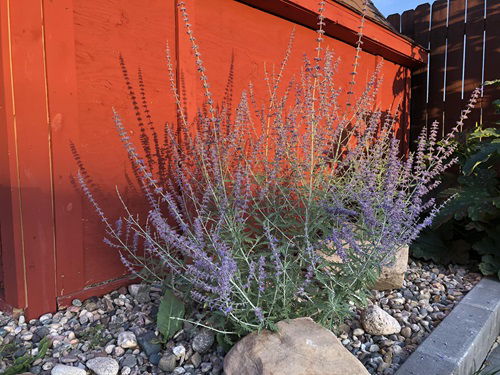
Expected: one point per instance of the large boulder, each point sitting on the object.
(376, 321)
(393, 275)
(300, 347)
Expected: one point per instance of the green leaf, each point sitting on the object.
(471, 201)
(486, 246)
(490, 265)
(486, 151)
(170, 312)
(484, 133)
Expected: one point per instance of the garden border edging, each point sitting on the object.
(460, 344)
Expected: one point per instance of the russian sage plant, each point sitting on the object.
(286, 206)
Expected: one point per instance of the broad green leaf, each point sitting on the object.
(483, 155)
(473, 202)
(484, 133)
(486, 246)
(170, 311)
(490, 265)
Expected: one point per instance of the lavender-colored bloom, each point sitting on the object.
(235, 192)
(261, 276)
(259, 314)
(276, 255)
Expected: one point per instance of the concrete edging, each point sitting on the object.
(460, 344)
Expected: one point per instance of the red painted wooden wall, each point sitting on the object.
(60, 77)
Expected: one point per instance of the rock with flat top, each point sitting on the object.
(393, 275)
(300, 347)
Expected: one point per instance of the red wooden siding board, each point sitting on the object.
(342, 24)
(63, 115)
(10, 203)
(34, 163)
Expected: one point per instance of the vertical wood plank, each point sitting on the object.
(10, 197)
(422, 18)
(64, 125)
(456, 31)
(437, 61)
(492, 68)
(34, 164)
(407, 23)
(474, 30)
(395, 21)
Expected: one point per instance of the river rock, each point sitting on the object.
(67, 370)
(203, 341)
(376, 321)
(300, 347)
(103, 365)
(126, 340)
(168, 363)
(393, 274)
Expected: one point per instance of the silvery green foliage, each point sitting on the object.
(286, 205)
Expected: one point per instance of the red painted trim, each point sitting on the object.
(65, 128)
(99, 290)
(342, 23)
(32, 208)
(10, 197)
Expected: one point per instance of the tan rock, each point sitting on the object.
(376, 321)
(300, 347)
(393, 275)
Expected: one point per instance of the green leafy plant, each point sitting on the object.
(467, 229)
(170, 315)
(24, 362)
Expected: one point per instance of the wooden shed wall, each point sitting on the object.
(60, 78)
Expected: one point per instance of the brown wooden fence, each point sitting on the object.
(463, 39)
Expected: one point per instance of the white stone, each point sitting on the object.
(179, 351)
(133, 289)
(127, 340)
(67, 370)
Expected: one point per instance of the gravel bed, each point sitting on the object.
(115, 334)
(110, 335)
(428, 295)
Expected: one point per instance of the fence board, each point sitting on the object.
(395, 20)
(474, 52)
(456, 31)
(437, 60)
(407, 23)
(491, 70)
(456, 67)
(421, 21)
